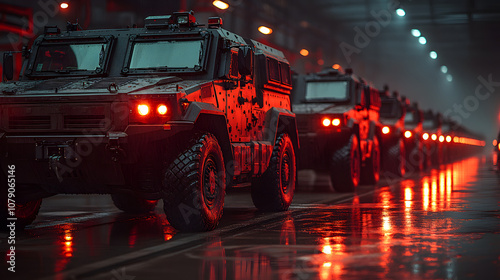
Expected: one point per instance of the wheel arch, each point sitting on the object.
(280, 121)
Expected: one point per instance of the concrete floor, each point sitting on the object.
(440, 224)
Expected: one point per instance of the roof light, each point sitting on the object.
(304, 52)
(425, 136)
(434, 137)
(64, 5)
(448, 138)
(416, 33)
(455, 139)
(336, 66)
(441, 138)
(400, 12)
(336, 122)
(265, 30)
(386, 130)
(422, 40)
(326, 122)
(143, 109)
(408, 134)
(220, 4)
(162, 109)
(214, 22)
(495, 142)
(499, 147)
(444, 69)
(449, 78)
(433, 54)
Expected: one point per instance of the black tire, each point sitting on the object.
(370, 173)
(416, 158)
(25, 213)
(345, 166)
(395, 159)
(132, 204)
(274, 190)
(194, 186)
(427, 157)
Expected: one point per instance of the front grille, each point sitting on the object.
(84, 121)
(29, 122)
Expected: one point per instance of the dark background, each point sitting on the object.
(464, 33)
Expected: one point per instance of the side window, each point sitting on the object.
(233, 71)
(273, 70)
(285, 74)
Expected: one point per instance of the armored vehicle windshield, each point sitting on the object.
(326, 91)
(76, 57)
(167, 54)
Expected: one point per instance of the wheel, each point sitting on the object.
(345, 166)
(416, 158)
(395, 160)
(427, 157)
(370, 173)
(132, 204)
(194, 186)
(24, 212)
(273, 191)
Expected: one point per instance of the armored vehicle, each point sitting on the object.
(174, 111)
(432, 131)
(392, 114)
(337, 118)
(416, 150)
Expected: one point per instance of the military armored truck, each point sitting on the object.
(416, 150)
(175, 111)
(392, 114)
(337, 118)
(432, 130)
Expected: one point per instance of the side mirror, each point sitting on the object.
(8, 66)
(245, 61)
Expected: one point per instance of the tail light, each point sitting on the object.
(448, 138)
(441, 138)
(434, 137)
(425, 136)
(386, 130)
(408, 134)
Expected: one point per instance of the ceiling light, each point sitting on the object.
(422, 40)
(433, 54)
(444, 69)
(415, 33)
(221, 5)
(304, 52)
(400, 12)
(265, 30)
(449, 78)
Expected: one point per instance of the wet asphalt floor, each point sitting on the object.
(439, 224)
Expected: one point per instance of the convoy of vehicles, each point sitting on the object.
(392, 119)
(180, 112)
(172, 111)
(337, 117)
